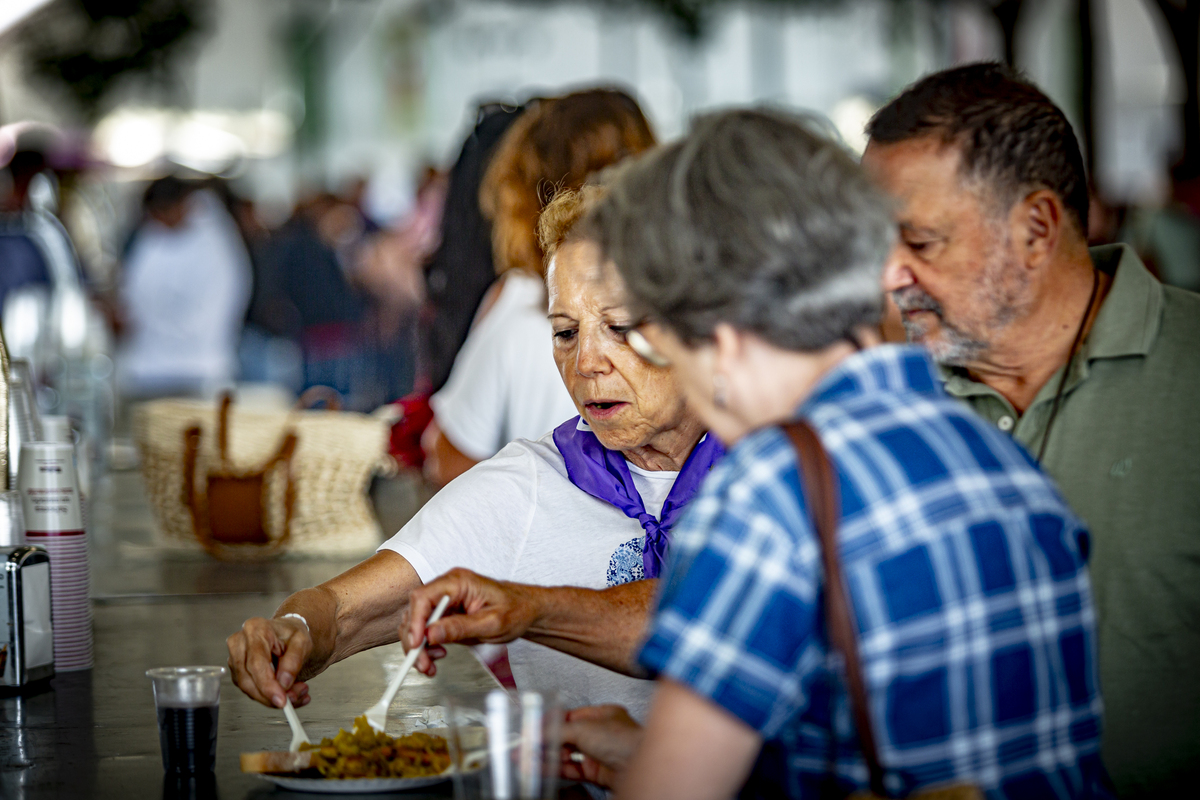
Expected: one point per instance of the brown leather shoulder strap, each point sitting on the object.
(223, 428)
(820, 487)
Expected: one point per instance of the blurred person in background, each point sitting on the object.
(755, 248)
(504, 385)
(1081, 356)
(308, 294)
(391, 270)
(21, 263)
(1168, 238)
(184, 291)
(457, 276)
(461, 268)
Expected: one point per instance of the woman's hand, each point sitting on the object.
(481, 610)
(606, 736)
(265, 657)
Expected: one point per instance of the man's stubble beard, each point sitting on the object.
(963, 343)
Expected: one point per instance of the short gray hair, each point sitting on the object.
(753, 219)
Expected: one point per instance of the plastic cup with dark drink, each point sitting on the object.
(187, 699)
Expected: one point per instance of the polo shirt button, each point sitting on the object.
(1005, 423)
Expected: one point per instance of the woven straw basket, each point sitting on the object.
(336, 455)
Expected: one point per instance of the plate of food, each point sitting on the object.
(357, 761)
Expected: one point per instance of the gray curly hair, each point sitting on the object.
(754, 219)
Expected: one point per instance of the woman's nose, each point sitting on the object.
(591, 359)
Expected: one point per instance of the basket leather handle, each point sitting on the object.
(197, 504)
(223, 427)
(191, 449)
(820, 488)
(315, 394)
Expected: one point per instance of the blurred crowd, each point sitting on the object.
(206, 295)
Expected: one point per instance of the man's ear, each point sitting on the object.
(1038, 221)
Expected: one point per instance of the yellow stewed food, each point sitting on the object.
(365, 753)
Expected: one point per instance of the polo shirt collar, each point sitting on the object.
(1128, 321)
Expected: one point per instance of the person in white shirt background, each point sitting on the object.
(186, 284)
(504, 385)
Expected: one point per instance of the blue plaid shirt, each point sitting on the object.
(967, 575)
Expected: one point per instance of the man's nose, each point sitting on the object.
(897, 271)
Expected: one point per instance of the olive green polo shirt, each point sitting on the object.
(1125, 451)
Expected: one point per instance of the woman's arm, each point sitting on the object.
(443, 461)
(692, 749)
(359, 609)
(603, 626)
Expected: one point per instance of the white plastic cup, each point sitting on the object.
(57, 429)
(24, 424)
(505, 745)
(12, 519)
(54, 520)
(187, 700)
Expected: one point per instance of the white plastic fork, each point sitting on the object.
(299, 737)
(377, 714)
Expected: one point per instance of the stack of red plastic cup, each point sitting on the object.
(54, 519)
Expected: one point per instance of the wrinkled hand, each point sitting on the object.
(481, 610)
(253, 652)
(606, 736)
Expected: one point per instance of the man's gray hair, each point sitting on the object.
(753, 219)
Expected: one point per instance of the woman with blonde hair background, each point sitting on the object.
(504, 385)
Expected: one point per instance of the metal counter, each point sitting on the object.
(94, 734)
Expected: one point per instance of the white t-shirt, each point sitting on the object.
(517, 517)
(185, 291)
(504, 384)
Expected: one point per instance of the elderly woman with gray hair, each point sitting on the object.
(754, 250)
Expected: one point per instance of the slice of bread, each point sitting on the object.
(276, 761)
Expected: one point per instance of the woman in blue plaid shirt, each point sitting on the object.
(756, 247)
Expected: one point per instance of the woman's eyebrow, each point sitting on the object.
(560, 314)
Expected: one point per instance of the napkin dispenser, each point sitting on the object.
(26, 634)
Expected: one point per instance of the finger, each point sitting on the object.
(588, 770)
(298, 693)
(238, 674)
(575, 734)
(603, 712)
(420, 607)
(295, 653)
(259, 642)
(570, 771)
(424, 662)
(238, 671)
(467, 628)
(423, 599)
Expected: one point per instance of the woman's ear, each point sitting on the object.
(729, 349)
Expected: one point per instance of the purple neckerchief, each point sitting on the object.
(604, 474)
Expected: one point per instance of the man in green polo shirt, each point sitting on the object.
(1082, 356)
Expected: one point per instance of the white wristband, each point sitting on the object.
(302, 619)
